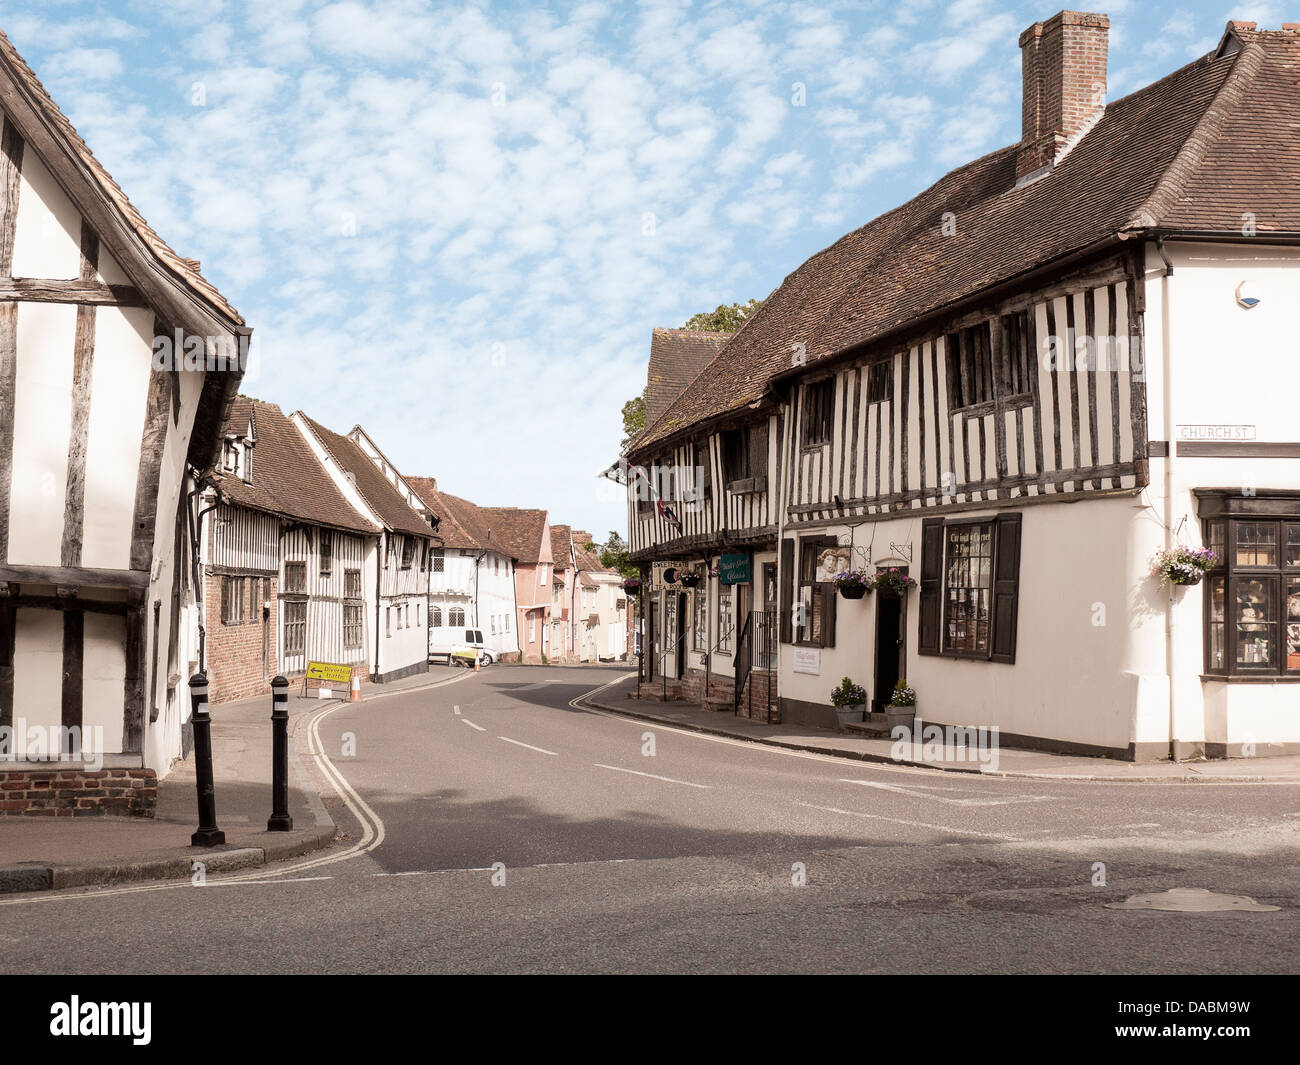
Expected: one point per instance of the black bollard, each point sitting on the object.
(280, 820)
(208, 835)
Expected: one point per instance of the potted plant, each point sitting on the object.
(902, 706)
(894, 581)
(853, 583)
(690, 578)
(632, 584)
(850, 701)
(1183, 565)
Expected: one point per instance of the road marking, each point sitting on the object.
(456, 708)
(652, 776)
(471, 724)
(943, 799)
(539, 750)
(286, 880)
(913, 824)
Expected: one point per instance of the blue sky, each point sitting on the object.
(458, 224)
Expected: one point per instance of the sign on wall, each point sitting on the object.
(808, 660)
(1216, 432)
(734, 569)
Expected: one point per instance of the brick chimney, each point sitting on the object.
(1063, 67)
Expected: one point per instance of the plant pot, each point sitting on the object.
(850, 714)
(1187, 581)
(854, 591)
(900, 715)
(691, 580)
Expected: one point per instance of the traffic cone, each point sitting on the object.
(476, 668)
(355, 695)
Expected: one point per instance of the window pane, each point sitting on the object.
(1217, 658)
(1293, 623)
(1215, 539)
(1257, 619)
(1293, 545)
(1256, 543)
(968, 587)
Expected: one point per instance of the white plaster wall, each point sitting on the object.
(103, 678)
(1227, 366)
(47, 235)
(38, 668)
(1072, 679)
(496, 596)
(119, 394)
(42, 424)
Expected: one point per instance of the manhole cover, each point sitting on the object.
(1191, 900)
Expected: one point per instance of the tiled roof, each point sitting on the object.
(379, 494)
(676, 358)
(560, 535)
(288, 481)
(462, 523)
(521, 531)
(1196, 149)
(185, 269)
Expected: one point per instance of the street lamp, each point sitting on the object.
(208, 834)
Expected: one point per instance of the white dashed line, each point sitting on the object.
(539, 750)
(913, 824)
(471, 724)
(1010, 800)
(652, 776)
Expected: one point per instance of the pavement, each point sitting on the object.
(34, 852)
(620, 698)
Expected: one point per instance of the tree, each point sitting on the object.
(633, 420)
(614, 556)
(723, 319)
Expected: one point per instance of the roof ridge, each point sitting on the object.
(1245, 67)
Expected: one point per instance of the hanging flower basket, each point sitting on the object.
(894, 581)
(1183, 565)
(690, 580)
(853, 583)
(632, 584)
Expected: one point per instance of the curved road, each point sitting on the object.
(491, 826)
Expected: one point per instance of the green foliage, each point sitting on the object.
(723, 319)
(614, 556)
(633, 420)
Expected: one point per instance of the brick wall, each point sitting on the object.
(233, 653)
(57, 792)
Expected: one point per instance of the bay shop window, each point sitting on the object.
(1252, 596)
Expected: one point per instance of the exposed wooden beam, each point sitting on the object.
(11, 161)
(85, 291)
(76, 577)
(149, 468)
(83, 358)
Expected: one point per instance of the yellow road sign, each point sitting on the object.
(333, 672)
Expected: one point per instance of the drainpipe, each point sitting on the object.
(1166, 351)
(379, 572)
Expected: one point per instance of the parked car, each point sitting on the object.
(447, 643)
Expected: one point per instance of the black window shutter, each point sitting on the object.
(1006, 588)
(829, 599)
(931, 580)
(758, 450)
(787, 591)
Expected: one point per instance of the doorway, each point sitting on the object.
(890, 648)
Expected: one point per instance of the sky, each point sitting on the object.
(457, 225)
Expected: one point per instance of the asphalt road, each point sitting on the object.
(492, 827)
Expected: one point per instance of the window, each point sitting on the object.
(1019, 366)
(726, 625)
(295, 627)
(388, 621)
(493, 624)
(326, 553)
(818, 414)
(435, 617)
(1252, 597)
(295, 577)
(969, 354)
(703, 475)
(507, 623)
(880, 382)
(700, 622)
(814, 620)
(232, 600)
(541, 574)
(970, 588)
(744, 457)
(352, 584)
(456, 617)
(532, 628)
(353, 626)
(439, 557)
(408, 551)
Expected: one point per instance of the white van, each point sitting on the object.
(458, 646)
